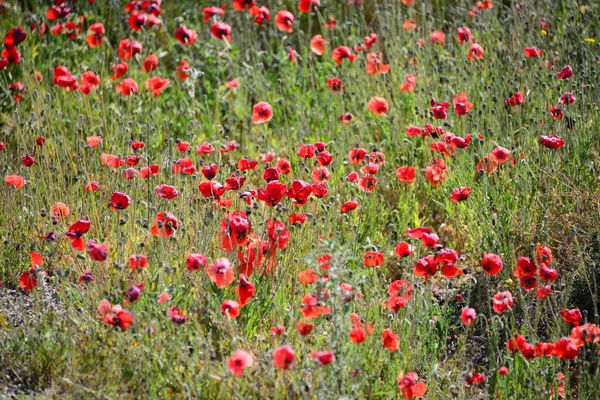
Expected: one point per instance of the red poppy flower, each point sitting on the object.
(308, 276)
(460, 194)
(543, 255)
(273, 193)
(151, 63)
(409, 387)
(86, 277)
(134, 292)
(467, 316)
(417, 233)
(341, 53)
(532, 52)
(349, 206)
(137, 261)
(97, 251)
(127, 87)
(552, 141)
(284, 357)
(165, 224)
(241, 5)
(323, 357)
(234, 230)
(239, 361)
(464, 35)
(128, 48)
(27, 160)
(373, 258)
(502, 302)
(292, 55)
(284, 20)
(491, 263)
(221, 31)
(429, 240)
(358, 335)
(119, 201)
(436, 172)
(212, 12)
(262, 112)
(95, 35)
(119, 70)
(137, 20)
(525, 266)
(378, 105)
(221, 273)
(565, 73)
(324, 158)
(245, 290)
(186, 36)
(475, 52)
(390, 340)
(261, 14)
(9, 56)
(307, 6)
(28, 280)
(305, 328)
(318, 44)
(166, 191)
(437, 37)
(14, 37)
(544, 291)
(462, 105)
(375, 64)
(475, 378)
(500, 154)
(311, 308)
(115, 315)
(572, 316)
(299, 192)
(63, 78)
(231, 309)
(195, 262)
(156, 84)
(177, 316)
(406, 174)
(589, 333)
(515, 100)
(426, 267)
(335, 85)
(566, 349)
(58, 11)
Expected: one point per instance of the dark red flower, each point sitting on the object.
(186, 36)
(97, 251)
(221, 31)
(119, 201)
(565, 73)
(552, 141)
(460, 194)
(323, 357)
(195, 262)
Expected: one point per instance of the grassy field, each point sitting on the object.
(316, 199)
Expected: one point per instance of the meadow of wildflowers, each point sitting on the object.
(310, 199)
